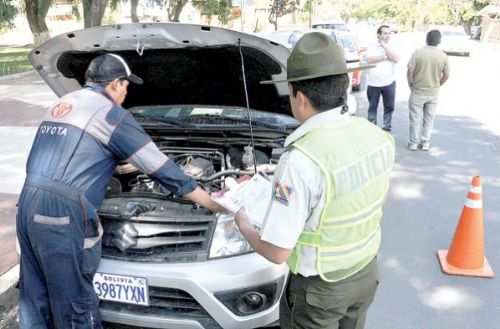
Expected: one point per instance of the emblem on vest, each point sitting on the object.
(61, 110)
(282, 193)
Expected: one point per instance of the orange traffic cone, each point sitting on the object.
(466, 253)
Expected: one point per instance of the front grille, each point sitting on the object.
(169, 303)
(155, 231)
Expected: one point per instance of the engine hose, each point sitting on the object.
(227, 172)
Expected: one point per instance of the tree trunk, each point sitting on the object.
(93, 11)
(467, 27)
(36, 11)
(174, 9)
(133, 10)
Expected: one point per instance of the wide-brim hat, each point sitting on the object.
(315, 55)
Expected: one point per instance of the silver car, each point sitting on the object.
(167, 263)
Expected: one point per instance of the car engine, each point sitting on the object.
(146, 223)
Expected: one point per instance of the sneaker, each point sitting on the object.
(412, 147)
(425, 146)
(388, 130)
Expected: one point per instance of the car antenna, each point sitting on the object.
(247, 104)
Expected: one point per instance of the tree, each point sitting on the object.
(36, 11)
(219, 8)
(281, 8)
(93, 11)
(465, 12)
(174, 9)
(7, 14)
(133, 8)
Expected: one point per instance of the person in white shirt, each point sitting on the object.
(381, 79)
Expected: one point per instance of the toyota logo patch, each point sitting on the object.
(61, 110)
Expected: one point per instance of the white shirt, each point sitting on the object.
(287, 216)
(384, 73)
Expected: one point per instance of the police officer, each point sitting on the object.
(72, 159)
(329, 187)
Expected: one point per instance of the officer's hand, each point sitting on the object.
(240, 217)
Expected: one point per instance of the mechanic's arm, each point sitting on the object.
(200, 196)
(269, 251)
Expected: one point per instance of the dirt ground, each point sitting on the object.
(8, 318)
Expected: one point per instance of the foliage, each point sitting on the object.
(281, 8)
(219, 8)
(461, 11)
(14, 60)
(412, 13)
(7, 14)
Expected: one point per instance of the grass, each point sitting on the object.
(14, 59)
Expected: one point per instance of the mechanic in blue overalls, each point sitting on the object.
(72, 159)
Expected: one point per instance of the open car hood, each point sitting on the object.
(180, 64)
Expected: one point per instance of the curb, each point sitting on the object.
(9, 295)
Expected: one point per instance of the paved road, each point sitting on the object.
(426, 197)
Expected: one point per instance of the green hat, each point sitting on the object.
(316, 55)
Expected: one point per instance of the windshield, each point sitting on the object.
(210, 116)
(454, 33)
(335, 26)
(349, 43)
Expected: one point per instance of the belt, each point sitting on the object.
(48, 184)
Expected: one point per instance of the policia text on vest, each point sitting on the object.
(352, 177)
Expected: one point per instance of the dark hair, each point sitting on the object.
(324, 93)
(433, 38)
(379, 30)
(89, 77)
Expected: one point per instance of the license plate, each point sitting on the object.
(121, 288)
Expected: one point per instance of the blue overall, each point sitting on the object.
(72, 159)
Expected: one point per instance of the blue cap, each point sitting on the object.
(108, 67)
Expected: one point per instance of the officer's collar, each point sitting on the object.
(321, 119)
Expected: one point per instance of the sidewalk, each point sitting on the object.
(24, 98)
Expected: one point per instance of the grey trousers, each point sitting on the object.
(311, 303)
(422, 113)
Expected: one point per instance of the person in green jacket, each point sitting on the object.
(328, 191)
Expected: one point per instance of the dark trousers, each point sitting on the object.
(56, 270)
(311, 303)
(388, 97)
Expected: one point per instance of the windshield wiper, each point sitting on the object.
(238, 120)
(173, 122)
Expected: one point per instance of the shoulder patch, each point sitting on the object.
(282, 193)
(61, 110)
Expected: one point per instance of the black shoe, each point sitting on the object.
(387, 130)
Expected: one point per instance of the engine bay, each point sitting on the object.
(143, 221)
(208, 166)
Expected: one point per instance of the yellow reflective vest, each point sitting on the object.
(356, 159)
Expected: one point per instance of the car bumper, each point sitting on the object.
(203, 281)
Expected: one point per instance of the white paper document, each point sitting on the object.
(253, 195)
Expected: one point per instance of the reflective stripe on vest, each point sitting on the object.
(356, 163)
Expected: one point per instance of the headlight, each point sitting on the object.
(227, 240)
